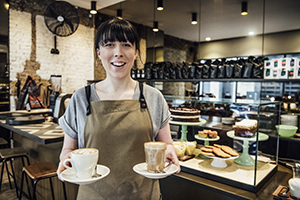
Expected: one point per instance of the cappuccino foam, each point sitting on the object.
(85, 151)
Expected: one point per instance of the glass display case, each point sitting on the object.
(257, 157)
(219, 101)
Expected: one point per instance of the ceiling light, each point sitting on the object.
(244, 8)
(251, 33)
(194, 18)
(119, 13)
(207, 38)
(93, 8)
(155, 26)
(160, 5)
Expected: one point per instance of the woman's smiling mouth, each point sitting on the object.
(118, 64)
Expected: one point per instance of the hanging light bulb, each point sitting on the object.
(194, 19)
(160, 6)
(155, 26)
(244, 8)
(93, 8)
(119, 13)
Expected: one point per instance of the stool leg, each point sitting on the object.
(14, 177)
(21, 189)
(8, 174)
(34, 188)
(51, 186)
(64, 188)
(2, 168)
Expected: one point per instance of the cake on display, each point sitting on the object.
(245, 128)
(185, 114)
(208, 134)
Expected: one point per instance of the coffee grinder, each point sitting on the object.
(55, 85)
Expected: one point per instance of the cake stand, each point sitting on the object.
(184, 127)
(218, 161)
(206, 140)
(244, 158)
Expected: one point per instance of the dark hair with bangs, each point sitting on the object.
(116, 29)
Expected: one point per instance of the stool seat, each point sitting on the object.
(40, 170)
(12, 153)
(3, 141)
(37, 172)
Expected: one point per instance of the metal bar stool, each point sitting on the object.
(9, 154)
(38, 172)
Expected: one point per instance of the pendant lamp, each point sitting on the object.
(194, 19)
(93, 8)
(160, 6)
(244, 8)
(119, 13)
(155, 26)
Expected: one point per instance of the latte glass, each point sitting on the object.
(83, 161)
(155, 153)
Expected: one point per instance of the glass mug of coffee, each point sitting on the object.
(83, 161)
(294, 183)
(155, 153)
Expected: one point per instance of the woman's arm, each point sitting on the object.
(164, 135)
(69, 145)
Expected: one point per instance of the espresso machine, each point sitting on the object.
(55, 85)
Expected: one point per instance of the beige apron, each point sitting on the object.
(119, 130)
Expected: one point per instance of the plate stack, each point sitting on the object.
(289, 120)
(227, 120)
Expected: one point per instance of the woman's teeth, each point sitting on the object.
(118, 64)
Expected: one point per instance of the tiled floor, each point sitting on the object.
(7, 193)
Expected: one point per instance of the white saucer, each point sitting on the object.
(142, 170)
(69, 175)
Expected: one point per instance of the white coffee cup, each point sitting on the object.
(294, 184)
(83, 161)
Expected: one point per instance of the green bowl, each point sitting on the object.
(286, 130)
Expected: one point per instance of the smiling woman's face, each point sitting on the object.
(117, 58)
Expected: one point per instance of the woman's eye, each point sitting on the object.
(108, 45)
(127, 45)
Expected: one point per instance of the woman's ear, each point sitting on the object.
(98, 53)
(136, 53)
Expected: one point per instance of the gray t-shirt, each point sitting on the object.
(73, 120)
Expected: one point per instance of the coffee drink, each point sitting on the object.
(83, 161)
(155, 153)
(85, 151)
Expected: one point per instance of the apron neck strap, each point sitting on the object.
(142, 98)
(88, 95)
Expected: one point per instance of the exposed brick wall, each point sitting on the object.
(75, 61)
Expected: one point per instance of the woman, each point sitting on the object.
(117, 118)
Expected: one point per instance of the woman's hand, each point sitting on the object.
(171, 156)
(69, 145)
(61, 167)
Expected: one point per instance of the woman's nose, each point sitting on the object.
(118, 51)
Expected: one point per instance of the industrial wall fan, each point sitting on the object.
(62, 19)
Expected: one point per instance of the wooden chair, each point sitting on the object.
(37, 172)
(9, 154)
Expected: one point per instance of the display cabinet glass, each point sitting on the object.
(219, 100)
(258, 155)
